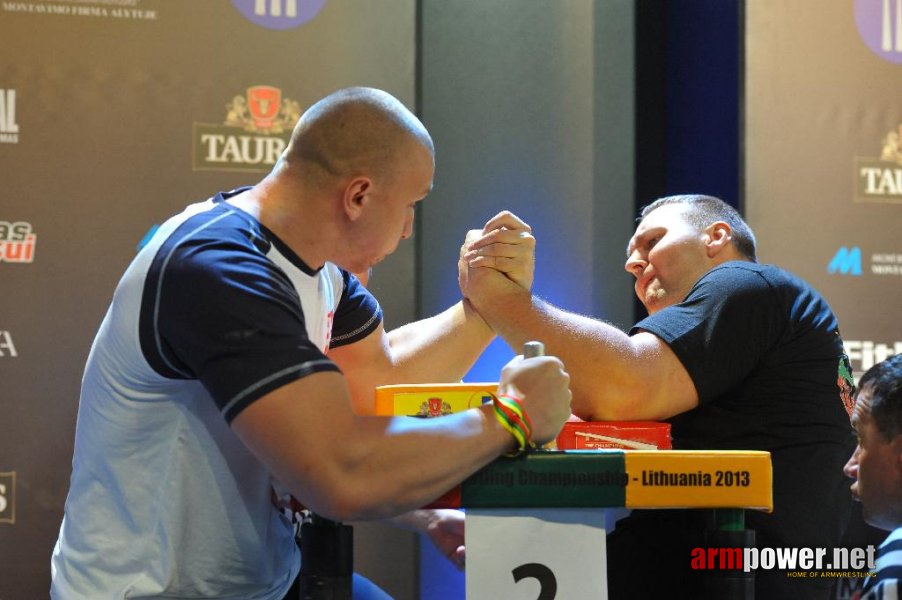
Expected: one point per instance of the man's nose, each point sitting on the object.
(408, 229)
(635, 264)
(851, 468)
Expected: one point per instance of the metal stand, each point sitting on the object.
(726, 529)
(327, 559)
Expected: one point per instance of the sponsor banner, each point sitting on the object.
(879, 24)
(848, 260)
(279, 14)
(95, 9)
(829, 216)
(255, 131)
(7, 348)
(8, 497)
(864, 354)
(9, 129)
(886, 263)
(112, 118)
(17, 242)
(880, 179)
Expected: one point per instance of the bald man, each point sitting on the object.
(238, 359)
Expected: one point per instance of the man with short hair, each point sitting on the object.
(238, 343)
(733, 354)
(876, 467)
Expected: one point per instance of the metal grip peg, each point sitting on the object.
(533, 349)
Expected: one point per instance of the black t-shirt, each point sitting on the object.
(764, 352)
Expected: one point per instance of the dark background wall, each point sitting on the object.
(562, 112)
(572, 113)
(111, 98)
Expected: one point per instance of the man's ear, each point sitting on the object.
(356, 197)
(718, 236)
(897, 450)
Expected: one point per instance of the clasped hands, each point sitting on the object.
(498, 258)
(496, 261)
(496, 267)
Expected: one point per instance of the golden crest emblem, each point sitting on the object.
(263, 110)
(892, 147)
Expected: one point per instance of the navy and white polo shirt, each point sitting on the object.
(164, 499)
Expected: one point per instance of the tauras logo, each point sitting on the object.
(880, 180)
(254, 134)
(9, 129)
(8, 497)
(17, 242)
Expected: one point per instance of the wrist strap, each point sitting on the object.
(510, 414)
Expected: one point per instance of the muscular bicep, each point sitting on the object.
(295, 431)
(671, 390)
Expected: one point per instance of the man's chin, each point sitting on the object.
(655, 301)
(357, 266)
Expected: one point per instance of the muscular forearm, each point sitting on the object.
(347, 466)
(397, 465)
(609, 372)
(439, 349)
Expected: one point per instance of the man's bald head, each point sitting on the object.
(354, 131)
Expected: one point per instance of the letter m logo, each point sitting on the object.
(846, 261)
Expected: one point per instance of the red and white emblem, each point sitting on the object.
(264, 102)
